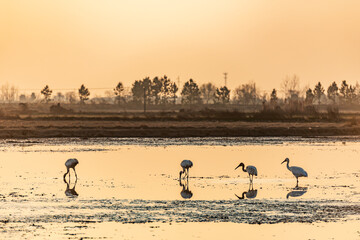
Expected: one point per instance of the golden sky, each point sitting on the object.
(65, 43)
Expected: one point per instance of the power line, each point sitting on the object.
(66, 89)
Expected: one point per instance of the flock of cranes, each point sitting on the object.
(187, 164)
(251, 170)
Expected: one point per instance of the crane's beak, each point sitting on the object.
(238, 166)
(283, 161)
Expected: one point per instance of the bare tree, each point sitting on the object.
(9, 93)
(33, 97)
(246, 93)
(59, 97)
(109, 96)
(290, 86)
(207, 91)
(70, 97)
(22, 98)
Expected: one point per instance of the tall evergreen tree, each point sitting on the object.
(84, 93)
(222, 94)
(333, 92)
(273, 97)
(47, 93)
(118, 90)
(318, 92)
(190, 92)
(309, 97)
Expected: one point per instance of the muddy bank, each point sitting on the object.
(143, 211)
(87, 129)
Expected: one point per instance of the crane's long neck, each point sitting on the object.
(65, 174)
(287, 165)
(182, 172)
(243, 195)
(243, 168)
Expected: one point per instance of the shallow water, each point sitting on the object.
(122, 181)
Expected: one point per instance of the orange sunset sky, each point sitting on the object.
(65, 43)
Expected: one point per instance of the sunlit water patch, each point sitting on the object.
(137, 181)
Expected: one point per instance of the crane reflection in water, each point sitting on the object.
(70, 192)
(185, 192)
(251, 193)
(296, 192)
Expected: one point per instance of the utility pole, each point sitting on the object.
(225, 78)
(144, 99)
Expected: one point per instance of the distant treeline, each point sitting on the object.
(164, 91)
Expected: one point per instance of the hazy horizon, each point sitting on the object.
(64, 43)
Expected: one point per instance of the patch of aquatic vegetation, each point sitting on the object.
(146, 211)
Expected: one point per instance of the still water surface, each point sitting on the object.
(136, 181)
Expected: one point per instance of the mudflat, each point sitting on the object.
(25, 128)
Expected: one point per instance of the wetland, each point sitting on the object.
(129, 188)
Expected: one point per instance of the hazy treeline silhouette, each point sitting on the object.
(162, 91)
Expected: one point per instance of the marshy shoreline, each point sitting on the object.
(85, 128)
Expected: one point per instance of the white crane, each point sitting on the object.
(296, 171)
(71, 163)
(251, 170)
(185, 164)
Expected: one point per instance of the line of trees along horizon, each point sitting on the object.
(164, 91)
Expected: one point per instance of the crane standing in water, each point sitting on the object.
(71, 163)
(251, 170)
(185, 164)
(296, 171)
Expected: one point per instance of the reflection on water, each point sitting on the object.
(251, 193)
(70, 192)
(297, 192)
(185, 192)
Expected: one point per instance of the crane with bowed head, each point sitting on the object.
(71, 163)
(185, 164)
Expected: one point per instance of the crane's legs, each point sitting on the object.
(75, 173)
(251, 179)
(185, 171)
(297, 182)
